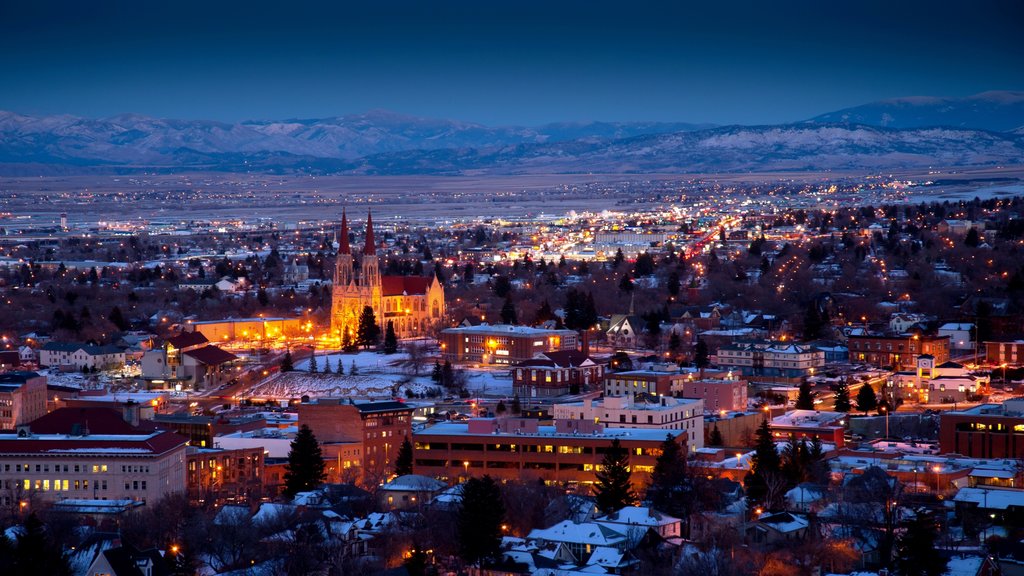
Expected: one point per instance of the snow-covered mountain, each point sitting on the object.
(999, 111)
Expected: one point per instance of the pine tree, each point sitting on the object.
(403, 461)
(508, 312)
(117, 319)
(435, 375)
(613, 489)
(668, 489)
(353, 370)
(37, 553)
(866, 399)
(313, 368)
(715, 438)
(305, 469)
(805, 400)
(619, 258)
(915, 551)
(347, 344)
(673, 284)
(764, 464)
(368, 332)
(626, 284)
(674, 343)
(327, 365)
(701, 357)
(479, 520)
(287, 364)
(340, 368)
(447, 375)
(390, 339)
(842, 398)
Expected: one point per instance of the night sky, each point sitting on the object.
(501, 62)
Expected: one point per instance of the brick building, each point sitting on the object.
(519, 448)
(898, 351)
(1009, 352)
(89, 453)
(826, 426)
(22, 398)
(634, 382)
(643, 411)
(363, 434)
(984, 431)
(718, 393)
(555, 373)
(217, 473)
(502, 343)
(765, 361)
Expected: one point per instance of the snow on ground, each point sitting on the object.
(366, 360)
(378, 376)
(482, 382)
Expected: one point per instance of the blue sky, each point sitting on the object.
(501, 62)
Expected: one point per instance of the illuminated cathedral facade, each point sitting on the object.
(412, 303)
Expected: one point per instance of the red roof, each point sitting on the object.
(343, 247)
(211, 355)
(155, 443)
(97, 420)
(398, 285)
(186, 339)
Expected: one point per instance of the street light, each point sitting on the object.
(465, 466)
(885, 409)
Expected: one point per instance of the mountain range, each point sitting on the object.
(985, 129)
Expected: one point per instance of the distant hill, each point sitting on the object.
(995, 111)
(381, 142)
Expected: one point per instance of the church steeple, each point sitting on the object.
(370, 249)
(343, 247)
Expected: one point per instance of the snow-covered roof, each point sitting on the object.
(414, 483)
(583, 533)
(638, 515)
(991, 498)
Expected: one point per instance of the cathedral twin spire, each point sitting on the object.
(369, 249)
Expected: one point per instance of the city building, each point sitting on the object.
(984, 431)
(519, 448)
(897, 351)
(409, 491)
(89, 454)
(254, 331)
(641, 411)
(961, 335)
(632, 382)
(412, 304)
(718, 393)
(502, 343)
(766, 361)
(1009, 352)
(202, 431)
(216, 473)
(366, 435)
(826, 426)
(75, 355)
(555, 373)
(22, 398)
(187, 359)
(946, 383)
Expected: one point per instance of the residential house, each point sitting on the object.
(555, 373)
(76, 355)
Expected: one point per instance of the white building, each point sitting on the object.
(649, 412)
(960, 335)
(78, 356)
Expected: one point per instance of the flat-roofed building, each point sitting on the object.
(519, 448)
(898, 351)
(22, 398)
(809, 424)
(718, 393)
(370, 431)
(984, 431)
(1009, 352)
(503, 343)
(766, 361)
(215, 473)
(645, 412)
(633, 382)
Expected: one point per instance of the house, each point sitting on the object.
(642, 411)
(624, 331)
(642, 518)
(555, 373)
(75, 355)
(129, 561)
(187, 358)
(782, 528)
(225, 284)
(580, 540)
(961, 335)
(409, 491)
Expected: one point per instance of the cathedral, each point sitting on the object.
(412, 303)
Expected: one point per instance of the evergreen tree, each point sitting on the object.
(447, 375)
(613, 489)
(794, 460)
(668, 489)
(805, 400)
(866, 399)
(353, 370)
(842, 398)
(544, 314)
(347, 343)
(500, 409)
(673, 283)
(702, 358)
(37, 553)
(313, 368)
(915, 551)
(435, 375)
(479, 520)
(715, 438)
(339, 367)
(403, 461)
(502, 286)
(972, 240)
(619, 258)
(327, 364)
(390, 339)
(368, 332)
(117, 319)
(305, 469)
(765, 464)
(508, 312)
(626, 284)
(287, 364)
(674, 343)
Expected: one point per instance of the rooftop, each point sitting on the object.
(462, 429)
(496, 329)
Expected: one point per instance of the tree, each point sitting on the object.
(390, 339)
(339, 367)
(668, 489)
(842, 397)
(313, 368)
(502, 286)
(644, 265)
(673, 283)
(915, 551)
(626, 284)
(866, 399)
(347, 344)
(701, 357)
(508, 312)
(287, 364)
(262, 298)
(117, 319)
(764, 466)
(479, 520)
(619, 258)
(368, 332)
(517, 406)
(972, 240)
(305, 469)
(613, 489)
(804, 399)
(403, 461)
(674, 342)
(715, 438)
(447, 375)
(435, 375)
(37, 553)
(353, 370)
(327, 364)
